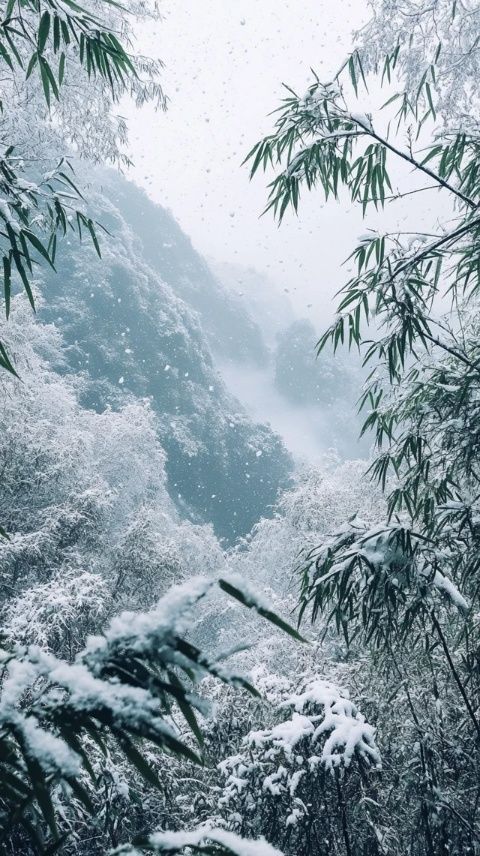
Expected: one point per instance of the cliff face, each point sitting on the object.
(141, 322)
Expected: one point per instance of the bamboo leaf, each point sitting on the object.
(43, 31)
(236, 593)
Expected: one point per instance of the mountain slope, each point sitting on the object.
(227, 324)
(133, 324)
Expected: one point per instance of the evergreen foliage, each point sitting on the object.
(410, 581)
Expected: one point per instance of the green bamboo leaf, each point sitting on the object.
(429, 98)
(41, 791)
(43, 31)
(91, 229)
(74, 743)
(12, 46)
(431, 154)
(51, 77)
(32, 64)
(23, 275)
(56, 34)
(186, 709)
(38, 246)
(65, 32)
(5, 55)
(353, 77)
(25, 250)
(5, 361)
(234, 592)
(45, 81)
(69, 181)
(61, 69)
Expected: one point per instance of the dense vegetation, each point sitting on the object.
(407, 588)
(131, 719)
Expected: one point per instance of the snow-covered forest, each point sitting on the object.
(240, 516)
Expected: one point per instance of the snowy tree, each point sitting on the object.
(424, 46)
(407, 585)
(316, 503)
(125, 686)
(92, 531)
(56, 56)
(292, 781)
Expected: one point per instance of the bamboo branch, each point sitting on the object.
(416, 164)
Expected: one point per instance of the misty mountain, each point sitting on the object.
(140, 322)
(328, 385)
(228, 324)
(311, 402)
(259, 296)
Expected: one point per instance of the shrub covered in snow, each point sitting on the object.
(290, 781)
(128, 685)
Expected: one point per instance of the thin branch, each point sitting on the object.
(453, 351)
(400, 195)
(455, 674)
(416, 164)
(452, 236)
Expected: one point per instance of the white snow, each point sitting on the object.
(171, 841)
(284, 736)
(446, 585)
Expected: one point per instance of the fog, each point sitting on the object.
(224, 68)
(225, 63)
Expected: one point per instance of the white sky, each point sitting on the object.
(225, 63)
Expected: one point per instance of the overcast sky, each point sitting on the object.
(225, 63)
